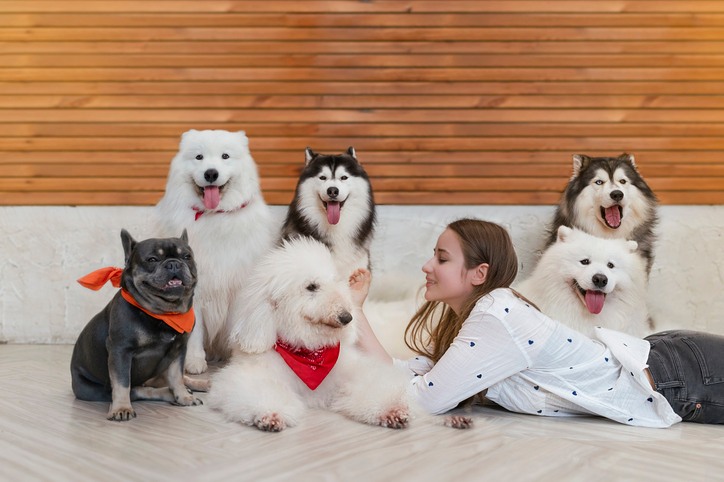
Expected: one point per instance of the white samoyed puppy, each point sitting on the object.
(585, 281)
(295, 349)
(213, 192)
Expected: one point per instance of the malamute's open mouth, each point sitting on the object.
(334, 209)
(211, 195)
(592, 299)
(612, 216)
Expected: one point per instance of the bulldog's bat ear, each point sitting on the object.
(128, 244)
(184, 236)
(309, 154)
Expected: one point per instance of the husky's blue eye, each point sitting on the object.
(322, 178)
(224, 156)
(199, 157)
(585, 261)
(610, 265)
(598, 182)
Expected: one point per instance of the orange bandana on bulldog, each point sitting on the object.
(311, 366)
(181, 322)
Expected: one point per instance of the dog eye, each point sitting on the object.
(585, 261)
(187, 256)
(224, 156)
(610, 265)
(152, 259)
(199, 157)
(322, 178)
(312, 287)
(622, 181)
(344, 178)
(598, 182)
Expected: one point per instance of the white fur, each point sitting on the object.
(586, 213)
(551, 288)
(227, 241)
(258, 388)
(355, 192)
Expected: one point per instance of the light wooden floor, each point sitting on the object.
(45, 434)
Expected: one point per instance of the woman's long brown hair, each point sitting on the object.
(433, 328)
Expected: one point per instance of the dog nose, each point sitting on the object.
(617, 195)
(332, 192)
(344, 317)
(599, 280)
(172, 265)
(211, 175)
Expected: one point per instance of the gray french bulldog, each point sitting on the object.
(126, 354)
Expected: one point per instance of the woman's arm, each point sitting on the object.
(483, 353)
(359, 284)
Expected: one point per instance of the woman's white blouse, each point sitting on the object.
(532, 364)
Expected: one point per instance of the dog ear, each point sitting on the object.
(309, 154)
(563, 233)
(580, 161)
(352, 153)
(254, 327)
(241, 135)
(184, 236)
(632, 246)
(128, 244)
(630, 158)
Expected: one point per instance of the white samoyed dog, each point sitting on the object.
(584, 281)
(213, 192)
(295, 349)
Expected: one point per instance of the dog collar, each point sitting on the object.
(181, 322)
(200, 212)
(311, 366)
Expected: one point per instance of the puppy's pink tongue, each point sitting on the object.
(333, 209)
(594, 301)
(613, 216)
(211, 197)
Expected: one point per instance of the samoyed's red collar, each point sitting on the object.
(311, 366)
(200, 212)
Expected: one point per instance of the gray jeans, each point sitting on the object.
(688, 369)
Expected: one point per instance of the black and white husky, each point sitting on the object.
(608, 198)
(333, 203)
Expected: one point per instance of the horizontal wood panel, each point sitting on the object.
(455, 102)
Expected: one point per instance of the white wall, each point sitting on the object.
(45, 249)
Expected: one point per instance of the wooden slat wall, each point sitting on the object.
(446, 102)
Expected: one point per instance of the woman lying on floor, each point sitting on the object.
(475, 333)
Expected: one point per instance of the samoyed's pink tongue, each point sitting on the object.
(211, 197)
(333, 209)
(613, 216)
(594, 301)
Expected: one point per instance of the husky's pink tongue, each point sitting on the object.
(211, 197)
(333, 209)
(594, 301)
(613, 216)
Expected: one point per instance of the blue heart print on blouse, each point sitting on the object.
(430, 384)
(530, 342)
(540, 411)
(472, 343)
(507, 310)
(575, 393)
(480, 375)
(606, 358)
(536, 387)
(630, 419)
(650, 399)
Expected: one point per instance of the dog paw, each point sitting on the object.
(395, 418)
(121, 414)
(187, 400)
(272, 422)
(457, 421)
(194, 366)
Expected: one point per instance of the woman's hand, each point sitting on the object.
(359, 286)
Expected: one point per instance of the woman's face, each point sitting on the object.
(447, 278)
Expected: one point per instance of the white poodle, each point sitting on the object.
(295, 349)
